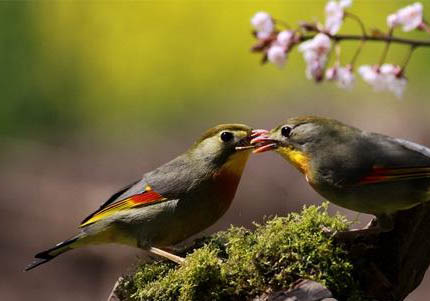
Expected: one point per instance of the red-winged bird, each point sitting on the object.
(358, 170)
(171, 203)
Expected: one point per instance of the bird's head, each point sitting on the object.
(226, 146)
(302, 139)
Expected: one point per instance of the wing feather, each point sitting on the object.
(382, 174)
(123, 200)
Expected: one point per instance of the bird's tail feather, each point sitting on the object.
(45, 256)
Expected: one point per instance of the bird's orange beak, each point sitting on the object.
(262, 142)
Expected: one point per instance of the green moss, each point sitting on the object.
(238, 263)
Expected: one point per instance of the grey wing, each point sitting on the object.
(390, 152)
(415, 147)
(394, 159)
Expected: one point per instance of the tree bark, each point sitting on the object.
(394, 263)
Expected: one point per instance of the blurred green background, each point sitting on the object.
(96, 93)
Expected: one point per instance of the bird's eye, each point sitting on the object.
(226, 136)
(286, 131)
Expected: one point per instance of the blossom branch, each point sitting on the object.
(315, 41)
(385, 39)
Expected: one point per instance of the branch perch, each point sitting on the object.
(384, 38)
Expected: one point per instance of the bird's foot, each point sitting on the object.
(167, 255)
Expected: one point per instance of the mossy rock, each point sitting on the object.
(239, 264)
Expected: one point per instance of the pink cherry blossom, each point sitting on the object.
(392, 20)
(277, 55)
(315, 55)
(315, 70)
(387, 77)
(342, 75)
(395, 81)
(319, 45)
(334, 11)
(372, 76)
(285, 38)
(410, 17)
(263, 25)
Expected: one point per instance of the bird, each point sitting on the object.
(171, 203)
(355, 169)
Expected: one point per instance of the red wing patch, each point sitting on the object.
(382, 174)
(145, 198)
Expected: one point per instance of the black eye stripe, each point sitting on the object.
(286, 131)
(226, 136)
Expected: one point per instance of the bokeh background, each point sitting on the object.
(96, 93)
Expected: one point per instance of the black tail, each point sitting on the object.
(45, 256)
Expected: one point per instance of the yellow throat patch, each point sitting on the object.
(297, 158)
(236, 163)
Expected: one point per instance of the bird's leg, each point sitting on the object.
(165, 254)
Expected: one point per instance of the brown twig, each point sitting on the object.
(407, 59)
(392, 39)
(425, 26)
(358, 20)
(363, 40)
(387, 46)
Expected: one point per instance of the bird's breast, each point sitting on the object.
(227, 178)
